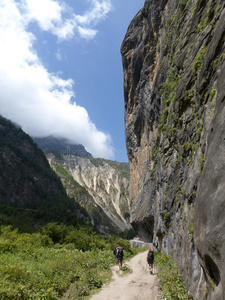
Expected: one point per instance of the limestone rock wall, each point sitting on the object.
(174, 75)
(106, 189)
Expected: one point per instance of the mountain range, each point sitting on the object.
(62, 183)
(100, 186)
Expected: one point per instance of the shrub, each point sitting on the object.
(171, 282)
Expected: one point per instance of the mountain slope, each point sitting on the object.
(51, 143)
(99, 185)
(28, 186)
(174, 69)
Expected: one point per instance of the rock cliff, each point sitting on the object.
(99, 185)
(174, 75)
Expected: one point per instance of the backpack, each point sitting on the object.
(119, 252)
(150, 255)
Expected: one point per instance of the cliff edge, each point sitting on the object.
(174, 74)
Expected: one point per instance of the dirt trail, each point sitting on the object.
(137, 285)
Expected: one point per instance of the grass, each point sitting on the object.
(48, 273)
(57, 262)
(171, 282)
(63, 262)
(123, 168)
(126, 270)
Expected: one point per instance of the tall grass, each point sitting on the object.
(171, 282)
(34, 266)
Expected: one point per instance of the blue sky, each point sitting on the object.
(61, 69)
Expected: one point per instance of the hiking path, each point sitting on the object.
(136, 285)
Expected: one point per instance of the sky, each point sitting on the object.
(61, 70)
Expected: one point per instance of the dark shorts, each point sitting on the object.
(150, 261)
(120, 259)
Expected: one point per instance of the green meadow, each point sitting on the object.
(58, 262)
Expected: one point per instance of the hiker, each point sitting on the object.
(119, 256)
(114, 252)
(150, 260)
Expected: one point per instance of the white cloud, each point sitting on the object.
(98, 11)
(31, 96)
(46, 12)
(86, 33)
(56, 17)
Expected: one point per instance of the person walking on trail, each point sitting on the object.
(150, 260)
(119, 256)
(114, 252)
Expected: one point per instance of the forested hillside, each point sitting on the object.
(30, 191)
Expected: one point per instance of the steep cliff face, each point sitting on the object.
(174, 75)
(98, 185)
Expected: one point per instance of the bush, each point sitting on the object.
(171, 282)
(58, 260)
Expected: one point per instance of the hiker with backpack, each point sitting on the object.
(150, 260)
(114, 252)
(119, 256)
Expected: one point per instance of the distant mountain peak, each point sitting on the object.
(60, 144)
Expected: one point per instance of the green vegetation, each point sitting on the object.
(59, 168)
(168, 91)
(64, 261)
(128, 234)
(126, 270)
(58, 259)
(17, 143)
(31, 192)
(209, 16)
(191, 228)
(97, 162)
(122, 167)
(171, 282)
(200, 59)
(212, 93)
(76, 190)
(182, 4)
(166, 216)
(57, 154)
(53, 209)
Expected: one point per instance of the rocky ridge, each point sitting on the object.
(52, 143)
(174, 75)
(105, 189)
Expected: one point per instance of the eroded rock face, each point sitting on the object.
(107, 190)
(174, 75)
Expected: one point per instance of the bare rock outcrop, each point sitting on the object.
(174, 76)
(105, 193)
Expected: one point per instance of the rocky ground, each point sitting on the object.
(136, 285)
